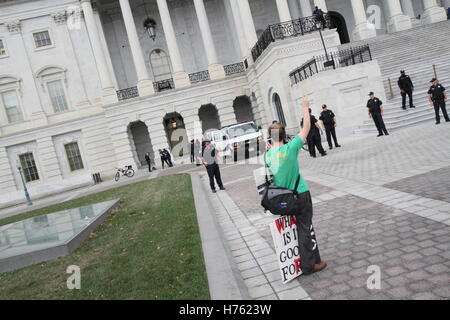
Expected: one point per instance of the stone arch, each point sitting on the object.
(176, 134)
(242, 106)
(337, 21)
(140, 142)
(209, 117)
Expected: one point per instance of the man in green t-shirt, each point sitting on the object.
(282, 159)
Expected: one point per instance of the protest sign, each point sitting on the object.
(285, 236)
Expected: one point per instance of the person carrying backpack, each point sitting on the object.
(282, 160)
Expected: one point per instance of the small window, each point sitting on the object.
(42, 39)
(11, 104)
(29, 168)
(57, 96)
(74, 156)
(2, 48)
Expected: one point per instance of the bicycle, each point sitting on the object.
(126, 171)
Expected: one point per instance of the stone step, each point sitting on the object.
(412, 115)
(392, 128)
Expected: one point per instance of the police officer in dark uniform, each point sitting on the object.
(406, 88)
(437, 97)
(318, 13)
(314, 139)
(375, 109)
(329, 123)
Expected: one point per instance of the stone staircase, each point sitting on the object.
(416, 51)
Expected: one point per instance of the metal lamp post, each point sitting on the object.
(328, 63)
(319, 26)
(27, 195)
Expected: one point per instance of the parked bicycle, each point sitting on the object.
(126, 171)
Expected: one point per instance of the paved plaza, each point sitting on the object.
(377, 201)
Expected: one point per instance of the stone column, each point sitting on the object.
(397, 20)
(105, 48)
(294, 8)
(239, 28)
(408, 8)
(321, 4)
(215, 69)
(109, 93)
(7, 182)
(49, 159)
(305, 6)
(363, 29)
(283, 10)
(247, 23)
(180, 76)
(226, 113)
(193, 124)
(145, 85)
(432, 12)
(122, 143)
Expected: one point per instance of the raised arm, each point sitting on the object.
(306, 120)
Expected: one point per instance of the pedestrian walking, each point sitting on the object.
(149, 161)
(282, 159)
(375, 109)
(406, 88)
(438, 97)
(210, 161)
(314, 137)
(329, 123)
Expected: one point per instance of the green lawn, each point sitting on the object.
(149, 248)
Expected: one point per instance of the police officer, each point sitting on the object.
(329, 123)
(406, 88)
(375, 109)
(437, 97)
(318, 13)
(314, 139)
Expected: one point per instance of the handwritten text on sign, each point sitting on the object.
(285, 237)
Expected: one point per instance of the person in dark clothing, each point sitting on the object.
(149, 161)
(209, 160)
(406, 88)
(192, 151)
(375, 109)
(165, 157)
(314, 139)
(318, 13)
(168, 157)
(329, 123)
(438, 97)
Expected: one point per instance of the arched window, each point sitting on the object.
(279, 109)
(160, 63)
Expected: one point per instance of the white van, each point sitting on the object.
(238, 139)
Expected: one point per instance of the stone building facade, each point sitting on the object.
(89, 86)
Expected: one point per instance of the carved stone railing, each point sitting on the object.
(199, 76)
(283, 30)
(234, 68)
(164, 85)
(127, 93)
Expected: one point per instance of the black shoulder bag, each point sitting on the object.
(280, 201)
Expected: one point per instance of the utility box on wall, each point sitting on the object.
(345, 91)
